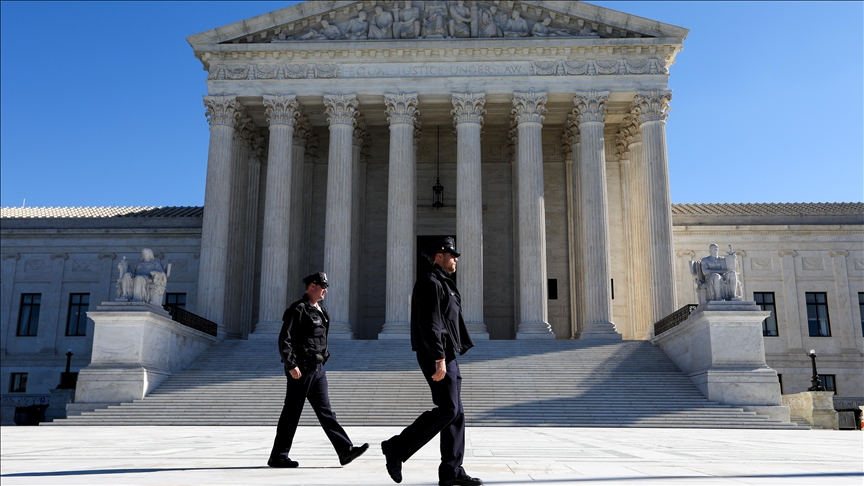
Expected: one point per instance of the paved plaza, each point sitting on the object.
(509, 456)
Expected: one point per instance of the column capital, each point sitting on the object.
(341, 109)
(222, 110)
(529, 107)
(590, 106)
(401, 108)
(836, 253)
(360, 134)
(468, 108)
(688, 253)
(246, 129)
(282, 110)
(628, 135)
(652, 105)
(784, 253)
(259, 148)
(301, 131)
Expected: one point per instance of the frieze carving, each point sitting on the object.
(590, 107)
(34, 265)
(529, 107)
(812, 263)
(652, 105)
(433, 19)
(79, 265)
(222, 110)
(401, 108)
(282, 109)
(341, 109)
(468, 107)
(757, 263)
(859, 264)
(180, 265)
(221, 71)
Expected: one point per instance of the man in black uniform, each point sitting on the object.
(303, 346)
(438, 332)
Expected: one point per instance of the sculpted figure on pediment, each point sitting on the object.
(542, 29)
(357, 28)
(460, 20)
(586, 31)
(434, 19)
(407, 23)
(328, 32)
(381, 26)
(488, 23)
(516, 26)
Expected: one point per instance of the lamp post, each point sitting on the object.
(816, 382)
(68, 380)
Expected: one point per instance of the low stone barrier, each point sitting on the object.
(816, 407)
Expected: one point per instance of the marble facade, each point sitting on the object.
(323, 151)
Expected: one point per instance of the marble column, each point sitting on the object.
(844, 328)
(282, 113)
(625, 171)
(401, 110)
(571, 140)
(250, 227)
(796, 327)
(298, 200)
(513, 147)
(341, 113)
(637, 198)
(528, 108)
(357, 217)
(235, 326)
(652, 108)
(468, 111)
(590, 112)
(222, 114)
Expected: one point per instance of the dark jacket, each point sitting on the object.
(303, 338)
(437, 327)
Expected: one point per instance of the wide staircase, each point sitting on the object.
(505, 383)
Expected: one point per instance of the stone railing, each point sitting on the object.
(673, 319)
(189, 319)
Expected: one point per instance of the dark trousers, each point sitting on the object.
(311, 386)
(447, 418)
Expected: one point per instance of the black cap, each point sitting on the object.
(319, 278)
(446, 244)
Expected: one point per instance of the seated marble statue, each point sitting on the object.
(435, 19)
(327, 32)
(717, 277)
(145, 282)
(381, 26)
(586, 31)
(407, 23)
(460, 20)
(357, 28)
(516, 26)
(542, 29)
(488, 23)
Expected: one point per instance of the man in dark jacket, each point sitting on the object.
(438, 333)
(303, 347)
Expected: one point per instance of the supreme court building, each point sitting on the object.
(346, 134)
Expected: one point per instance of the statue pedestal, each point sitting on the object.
(817, 408)
(136, 346)
(7, 413)
(720, 347)
(60, 398)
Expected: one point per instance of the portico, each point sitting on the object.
(552, 157)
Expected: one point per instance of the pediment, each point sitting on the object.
(435, 20)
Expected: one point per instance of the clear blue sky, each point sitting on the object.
(99, 96)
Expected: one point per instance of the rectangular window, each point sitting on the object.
(829, 382)
(76, 319)
(817, 314)
(28, 315)
(861, 310)
(553, 289)
(177, 299)
(18, 383)
(765, 301)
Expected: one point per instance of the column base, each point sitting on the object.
(395, 330)
(534, 330)
(477, 330)
(600, 330)
(266, 330)
(340, 330)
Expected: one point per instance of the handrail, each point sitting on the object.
(673, 319)
(189, 319)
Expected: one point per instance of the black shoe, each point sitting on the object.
(286, 463)
(394, 464)
(466, 481)
(353, 453)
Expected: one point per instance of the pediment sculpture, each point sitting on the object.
(435, 19)
(717, 278)
(143, 282)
